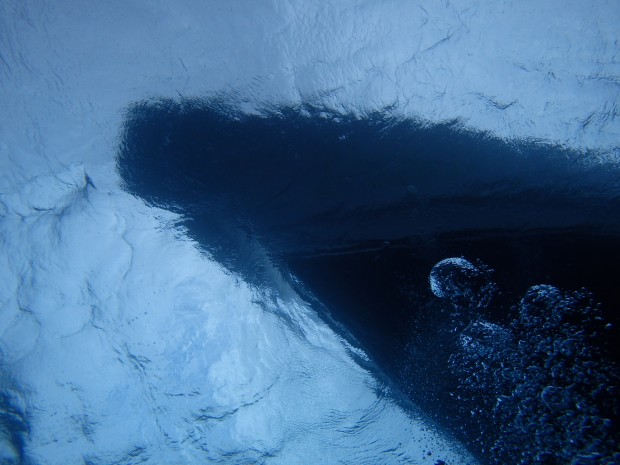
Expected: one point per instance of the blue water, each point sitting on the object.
(356, 211)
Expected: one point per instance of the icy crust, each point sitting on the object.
(81, 270)
(527, 69)
(543, 389)
(121, 343)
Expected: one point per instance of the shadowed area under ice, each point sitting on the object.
(358, 209)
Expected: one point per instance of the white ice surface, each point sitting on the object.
(117, 336)
(548, 70)
(121, 338)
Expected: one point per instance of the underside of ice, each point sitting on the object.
(121, 341)
(125, 340)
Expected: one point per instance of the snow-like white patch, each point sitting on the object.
(518, 69)
(123, 338)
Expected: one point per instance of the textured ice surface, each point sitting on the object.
(520, 69)
(119, 341)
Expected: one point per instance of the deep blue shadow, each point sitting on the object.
(360, 209)
(304, 180)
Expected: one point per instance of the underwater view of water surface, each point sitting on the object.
(309, 232)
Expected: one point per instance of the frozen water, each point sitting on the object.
(121, 341)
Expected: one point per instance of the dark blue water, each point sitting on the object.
(360, 209)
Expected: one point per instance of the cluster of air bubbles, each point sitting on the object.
(467, 286)
(543, 388)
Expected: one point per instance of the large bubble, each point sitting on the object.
(464, 283)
